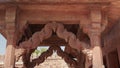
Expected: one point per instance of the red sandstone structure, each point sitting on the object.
(89, 30)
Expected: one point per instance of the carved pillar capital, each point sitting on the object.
(10, 23)
(95, 20)
(95, 29)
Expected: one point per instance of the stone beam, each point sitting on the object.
(46, 22)
(55, 1)
(48, 15)
(10, 33)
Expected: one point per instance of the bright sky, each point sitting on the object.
(2, 45)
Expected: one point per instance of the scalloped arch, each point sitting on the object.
(46, 32)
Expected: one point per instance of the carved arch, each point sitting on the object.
(46, 32)
(49, 52)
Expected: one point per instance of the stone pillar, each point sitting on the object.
(97, 51)
(10, 34)
(9, 56)
(93, 25)
(94, 33)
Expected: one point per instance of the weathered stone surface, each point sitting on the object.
(95, 17)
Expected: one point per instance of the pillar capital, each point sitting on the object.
(10, 19)
(95, 29)
(95, 20)
(92, 24)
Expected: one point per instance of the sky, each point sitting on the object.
(2, 45)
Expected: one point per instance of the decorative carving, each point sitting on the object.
(26, 57)
(19, 52)
(43, 56)
(66, 57)
(78, 56)
(48, 53)
(46, 32)
(88, 53)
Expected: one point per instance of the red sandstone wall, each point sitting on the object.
(112, 43)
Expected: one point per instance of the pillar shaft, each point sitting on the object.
(97, 51)
(95, 35)
(9, 57)
(10, 50)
